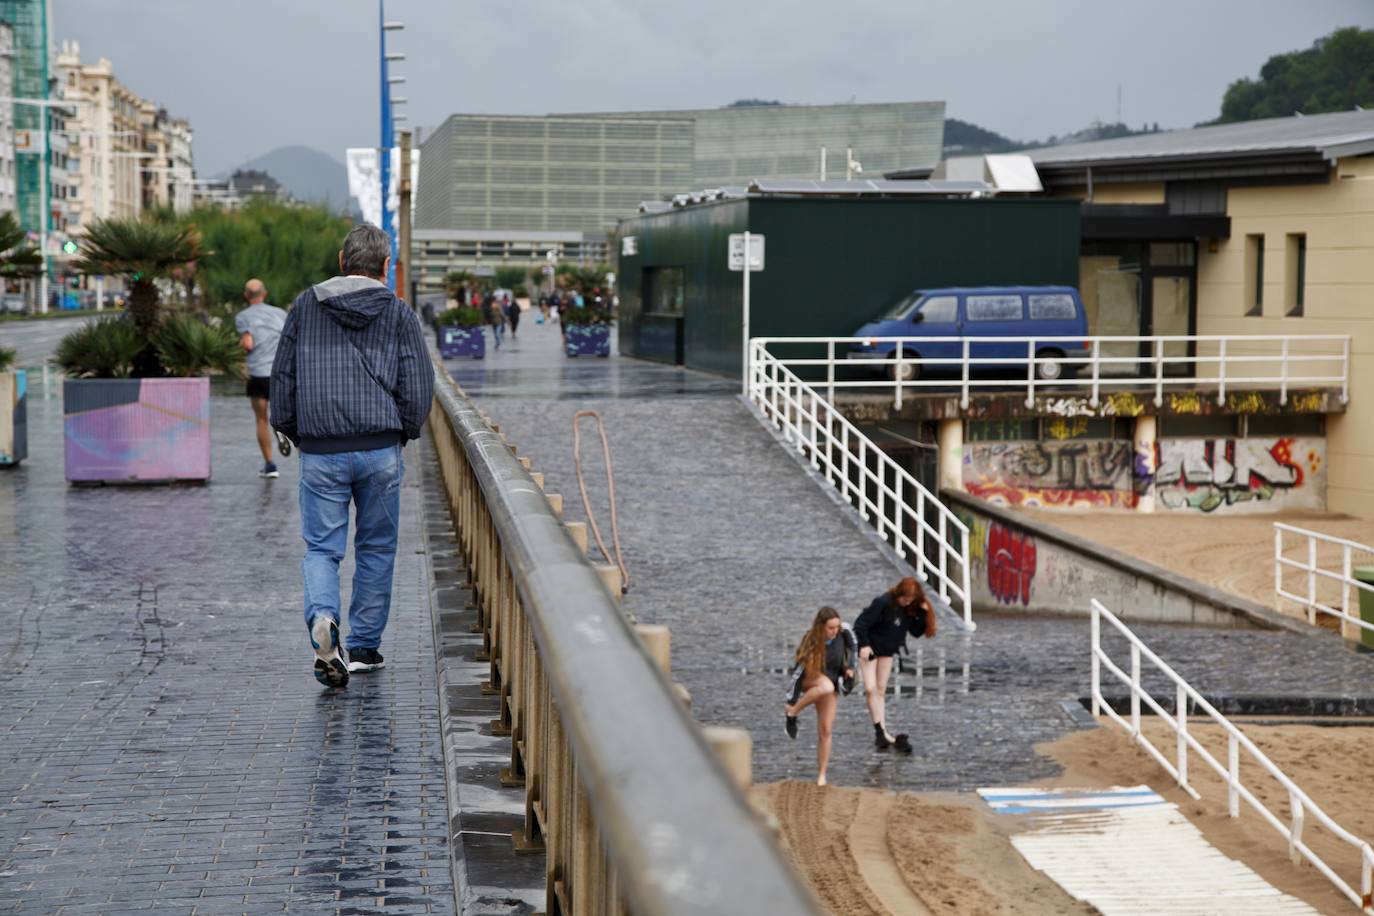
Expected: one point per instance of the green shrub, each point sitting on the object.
(461, 317)
(187, 347)
(584, 315)
(107, 348)
(7, 358)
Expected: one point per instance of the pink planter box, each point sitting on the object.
(136, 430)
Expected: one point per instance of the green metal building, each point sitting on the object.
(832, 261)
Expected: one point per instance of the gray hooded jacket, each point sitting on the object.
(351, 372)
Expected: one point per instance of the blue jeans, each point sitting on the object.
(371, 480)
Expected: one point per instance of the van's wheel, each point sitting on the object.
(1049, 366)
(910, 370)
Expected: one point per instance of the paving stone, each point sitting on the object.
(162, 736)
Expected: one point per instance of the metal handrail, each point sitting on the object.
(818, 430)
(1299, 804)
(1351, 624)
(632, 807)
(1224, 359)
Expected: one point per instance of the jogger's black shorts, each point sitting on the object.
(258, 386)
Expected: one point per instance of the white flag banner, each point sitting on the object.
(365, 184)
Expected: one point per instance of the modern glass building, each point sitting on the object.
(29, 19)
(500, 189)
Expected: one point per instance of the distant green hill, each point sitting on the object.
(1335, 74)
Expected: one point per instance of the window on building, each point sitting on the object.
(1295, 273)
(1254, 276)
(994, 308)
(666, 289)
(1300, 424)
(1213, 426)
(1003, 430)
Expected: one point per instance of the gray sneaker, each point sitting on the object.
(330, 669)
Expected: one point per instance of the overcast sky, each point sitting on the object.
(254, 75)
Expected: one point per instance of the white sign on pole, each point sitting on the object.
(737, 251)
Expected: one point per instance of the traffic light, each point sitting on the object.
(69, 247)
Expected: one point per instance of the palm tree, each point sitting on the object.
(143, 251)
(457, 283)
(17, 259)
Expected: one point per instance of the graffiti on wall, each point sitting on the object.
(1239, 475)
(1011, 564)
(1051, 474)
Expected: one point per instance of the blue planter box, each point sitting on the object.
(14, 427)
(456, 342)
(589, 340)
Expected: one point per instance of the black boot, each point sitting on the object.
(880, 738)
(903, 743)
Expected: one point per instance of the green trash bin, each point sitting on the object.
(1366, 574)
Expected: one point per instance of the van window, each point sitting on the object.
(1049, 307)
(902, 309)
(940, 308)
(994, 308)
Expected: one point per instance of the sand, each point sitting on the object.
(1234, 553)
(1333, 765)
(866, 851)
(871, 853)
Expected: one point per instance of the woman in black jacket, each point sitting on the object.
(881, 631)
(823, 663)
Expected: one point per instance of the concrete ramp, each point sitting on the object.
(1128, 852)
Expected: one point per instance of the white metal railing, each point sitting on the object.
(898, 504)
(1301, 807)
(1317, 574)
(1219, 362)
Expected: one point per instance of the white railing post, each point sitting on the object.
(944, 558)
(844, 443)
(830, 371)
(1232, 775)
(921, 532)
(966, 580)
(897, 377)
(1221, 371)
(1311, 580)
(882, 493)
(815, 431)
(1181, 717)
(1030, 372)
(963, 374)
(1345, 381)
(1159, 370)
(1348, 630)
(1096, 629)
(1097, 371)
(1135, 689)
(898, 507)
(1283, 374)
(1295, 806)
(863, 479)
(1367, 874)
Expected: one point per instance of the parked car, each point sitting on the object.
(953, 313)
(13, 304)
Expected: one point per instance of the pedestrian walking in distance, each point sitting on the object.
(882, 630)
(351, 384)
(512, 310)
(824, 663)
(259, 327)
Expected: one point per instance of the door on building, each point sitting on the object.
(1140, 289)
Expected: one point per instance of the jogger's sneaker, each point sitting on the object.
(269, 470)
(283, 445)
(364, 660)
(330, 669)
(791, 726)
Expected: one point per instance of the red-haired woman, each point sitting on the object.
(824, 661)
(882, 630)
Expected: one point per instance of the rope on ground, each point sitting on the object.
(619, 559)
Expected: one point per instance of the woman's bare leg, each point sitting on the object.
(826, 707)
(812, 691)
(882, 672)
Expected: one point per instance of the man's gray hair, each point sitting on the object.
(365, 250)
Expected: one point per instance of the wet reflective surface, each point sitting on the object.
(161, 736)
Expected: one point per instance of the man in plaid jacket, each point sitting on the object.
(351, 384)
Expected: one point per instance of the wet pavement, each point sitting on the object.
(734, 547)
(34, 341)
(162, 741)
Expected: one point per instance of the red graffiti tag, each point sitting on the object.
(1011, 564)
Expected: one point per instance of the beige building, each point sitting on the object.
(128, 154)
(1259, 228)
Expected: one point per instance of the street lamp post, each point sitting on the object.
(388, 134)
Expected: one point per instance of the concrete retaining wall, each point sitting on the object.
(1020, 564)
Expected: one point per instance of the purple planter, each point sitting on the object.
(456, 342)
(588, 339)
(136, 430)
(14, 427)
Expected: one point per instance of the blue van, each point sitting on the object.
(981, 311)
